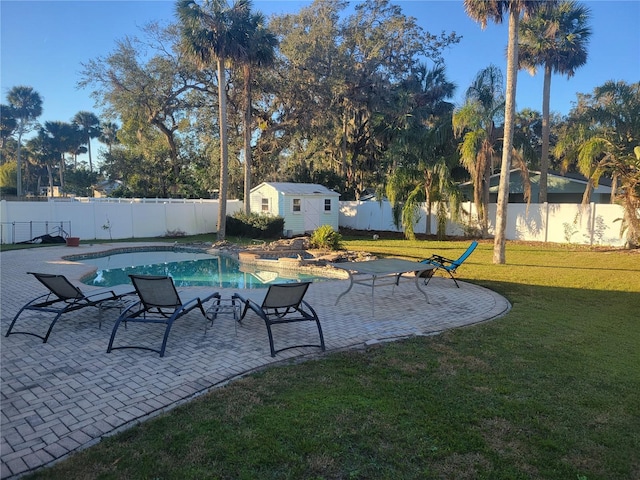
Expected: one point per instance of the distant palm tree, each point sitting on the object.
(482, 11)
(8, 125)
(601, 138)
(556, 37)
(109, 135)
(89, 124)
(62, 138)
(422, 150)
(26, 105)
(42, 152)
(475, 121)
(260, 52)
(76, 144)
(215, 34)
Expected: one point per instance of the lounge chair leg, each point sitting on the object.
(164, 340)
(321, 335)
(273, 350)
(46, 337)
(113, 334)
(14, 322)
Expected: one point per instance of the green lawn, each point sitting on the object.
(550, 391)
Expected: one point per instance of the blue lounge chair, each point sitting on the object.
(446, 264)
(159, 303)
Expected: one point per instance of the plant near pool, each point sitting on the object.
(325, 237)
(254, 225)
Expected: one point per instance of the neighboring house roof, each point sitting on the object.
(290, 188)
(556, 183)
(108, 186)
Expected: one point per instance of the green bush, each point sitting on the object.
(326, 237)
(254, 225)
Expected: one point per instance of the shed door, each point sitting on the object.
(312, 208)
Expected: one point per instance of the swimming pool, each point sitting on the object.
(188, 269)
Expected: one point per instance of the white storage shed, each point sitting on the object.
(304, 206)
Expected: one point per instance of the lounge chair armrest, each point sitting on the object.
(109, 294)
(239, 297)
(437, 259)
(248, 303)
(186, 305)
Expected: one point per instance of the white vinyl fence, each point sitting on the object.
(118, 218)
(594, 224)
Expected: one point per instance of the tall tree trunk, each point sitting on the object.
(50, 174)
(427, 196)
(247, 138)
(343, 147)
(175, 161)
(544, 159)
(486, 189)
(19, 164)
(588, 190)
(224, 151)
(614, 188)
(89, 151)
(510, 104)
(61, 173)
(176, 168)
(478, 195)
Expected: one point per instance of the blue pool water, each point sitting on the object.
(188, 269)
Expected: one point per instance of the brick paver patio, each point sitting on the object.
(63, 396)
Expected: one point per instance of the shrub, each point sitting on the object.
(326, 237)
(254, 225)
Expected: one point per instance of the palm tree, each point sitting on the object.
(43, 155)
(217, 33)
(476, 122)
(421, 150)
(260, 53)
(26, 105)
(62, 138)
(8, 125)
(556, 37)
(482, 11)
(108, 135)
(76, 144)
(89, 125)
(601, 138)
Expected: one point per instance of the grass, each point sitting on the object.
(550, 391)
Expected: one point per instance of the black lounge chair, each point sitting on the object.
(65, 297)
(446, 264)
(159, 303)
(283, 303)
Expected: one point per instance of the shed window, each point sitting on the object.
(265, 204)
(296, 205)
(327, 204)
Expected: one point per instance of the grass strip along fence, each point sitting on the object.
(549, 391)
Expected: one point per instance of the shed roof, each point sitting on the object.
(290, 188)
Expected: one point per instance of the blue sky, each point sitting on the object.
(43, 43)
